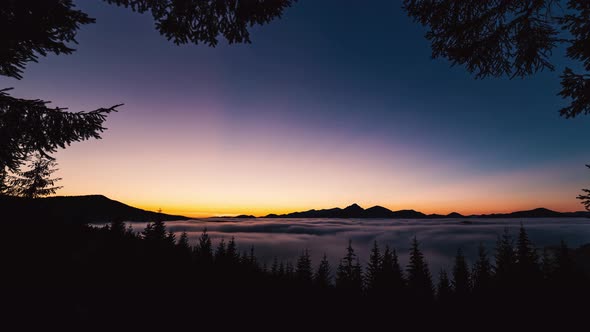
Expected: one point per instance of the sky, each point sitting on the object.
(333, 104)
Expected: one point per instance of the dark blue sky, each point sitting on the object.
(328, 75)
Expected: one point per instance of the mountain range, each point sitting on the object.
(355, 211)
(99, 209)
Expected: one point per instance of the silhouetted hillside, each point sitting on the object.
(355, 211)
(78, 209)
(535, 213)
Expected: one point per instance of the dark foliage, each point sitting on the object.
(419, 279)
(205, 21)
(513, 38)
(29, 126)
(77, 274)
(585, 197)
(35, 182)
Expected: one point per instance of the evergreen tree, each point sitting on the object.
(171, 239)
(443, 291)
(527, 261)
(220, 252)
(323, 276)
(461, 281)
(183, 242)
(349, 275)
(392, 274)
(232, 251)
(155, 231)
(37, 181)
(482, 272)
(303, 270)
(289, 271)
(505, 259)
(419, 279)
(204, 248)
(374, 269)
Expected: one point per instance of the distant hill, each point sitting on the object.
(535, 213)
(355, 211)
(78, 209)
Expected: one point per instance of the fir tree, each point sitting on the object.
(37, 181)
(183, 244)
(374, 269)
(204, 248)
(527, 261)
(303, 270)
(443, 290)
(232, 251)
(461, 283)
(482, 272)
(220, 252)
(323, 275)
(392, 274)
(505, 259)
(419, 279)
(349, 275)
(155, 231)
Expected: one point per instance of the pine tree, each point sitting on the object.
(461, 281)
(323, 275)
(37, 181)
(505, 259)
(204, 248)
(349, 275)
(220, 252)
(392, 274)
(170, 239)
(374, 270)
(155, 232)
(232, 251)
(527, 261)
(183, 244)
(303, 270)
(482, 272)
(419, 279)
(443, 291)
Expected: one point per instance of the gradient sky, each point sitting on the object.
(334, 103)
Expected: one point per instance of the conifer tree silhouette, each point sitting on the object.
(505, 260)
(303, 270)
(443, 289)
(461, 280)
(323, 275)
(420, 284)
(349, 274)
(482, 272)
(374, 274)
(393, 277)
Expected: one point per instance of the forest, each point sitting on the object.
(76, 273)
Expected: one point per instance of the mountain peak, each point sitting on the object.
(354, 206)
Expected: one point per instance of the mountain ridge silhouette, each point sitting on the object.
(355, 211)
